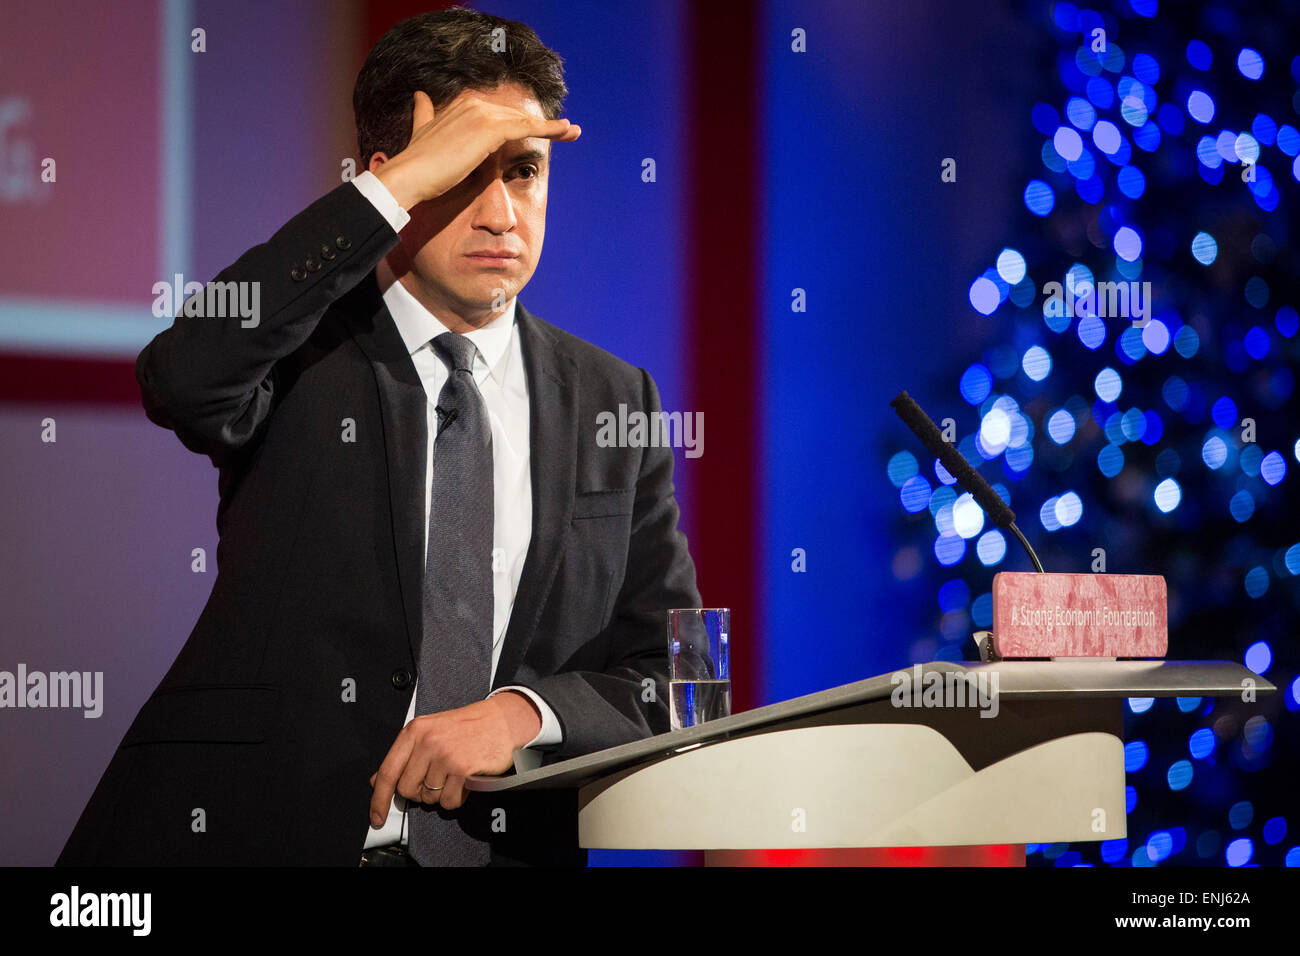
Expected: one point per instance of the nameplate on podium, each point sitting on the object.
(1079, 615)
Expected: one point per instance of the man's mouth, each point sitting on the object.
(492, 257)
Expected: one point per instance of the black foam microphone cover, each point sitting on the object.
(953, 460)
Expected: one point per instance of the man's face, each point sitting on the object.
(499, 207)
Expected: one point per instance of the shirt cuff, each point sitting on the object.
(550, 732)
(369, 186)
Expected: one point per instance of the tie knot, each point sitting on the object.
(456, 351)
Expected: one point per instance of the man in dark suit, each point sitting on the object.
(417, 521)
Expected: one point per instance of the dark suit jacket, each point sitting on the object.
(320, 565)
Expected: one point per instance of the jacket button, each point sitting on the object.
(401, 678)
(326, 252)
(343, 242)
(296, 274)
(313, 265)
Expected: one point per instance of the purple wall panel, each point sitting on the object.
(94, 576)
(98, 527)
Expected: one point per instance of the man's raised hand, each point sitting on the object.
(446, 147)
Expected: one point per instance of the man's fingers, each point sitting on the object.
(453, 793)
(419, 770)
(385, 781)
(571, 132)
(421, 112)
(430, 796)
(560, 130)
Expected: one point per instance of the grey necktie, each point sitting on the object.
(455, 666)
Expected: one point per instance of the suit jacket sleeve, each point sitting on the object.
(211, 379)
(599, 709)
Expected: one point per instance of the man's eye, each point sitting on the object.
(533, 168)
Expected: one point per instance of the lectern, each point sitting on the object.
(853, 767)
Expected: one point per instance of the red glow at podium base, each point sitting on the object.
(1008, 854)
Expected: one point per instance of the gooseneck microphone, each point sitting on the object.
(956, 464)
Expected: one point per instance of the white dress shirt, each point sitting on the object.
(499, 373)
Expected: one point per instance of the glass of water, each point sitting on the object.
(699, 664)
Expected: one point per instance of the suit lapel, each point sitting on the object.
(553, 443)
(402, 404)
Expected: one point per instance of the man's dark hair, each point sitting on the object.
(442, 53)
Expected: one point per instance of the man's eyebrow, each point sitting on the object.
(526, 155)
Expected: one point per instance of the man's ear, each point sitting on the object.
(377, 159)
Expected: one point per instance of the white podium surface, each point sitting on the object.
(846, 767)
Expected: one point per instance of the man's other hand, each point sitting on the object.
(442, 749)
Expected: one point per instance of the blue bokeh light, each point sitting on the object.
(1068, 143)
(1060, 426)
(1224, 412)
(1011, 266)
(1128, 243)
(1156, 337)
(1037, 363)
(1240, 814)
(1288, 139)
(1239, 852)
(1287, 321)
(1047, 515)
(915, 494)
(1250, 63)
(991, 548)
(1256, 343)
(1136, 753)
(1106, 137)
(1198, 55)
(1204, 248)
(1201, 743)
(1187, 342)
(1214, 452)
(1039, 197)
(1108, 384)
(1273, 468)
(1080, 113)
(1091, 331)
(1256, 582)
(1159, 844)
(984, 295)
(1259, 657)
(976, 383)
(901, 467)
(1200, 106)
(1069, 509)
(1110, 460)
(1167, 495)
(1132, 183)
(949, 549)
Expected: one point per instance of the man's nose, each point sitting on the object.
(494, 209)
